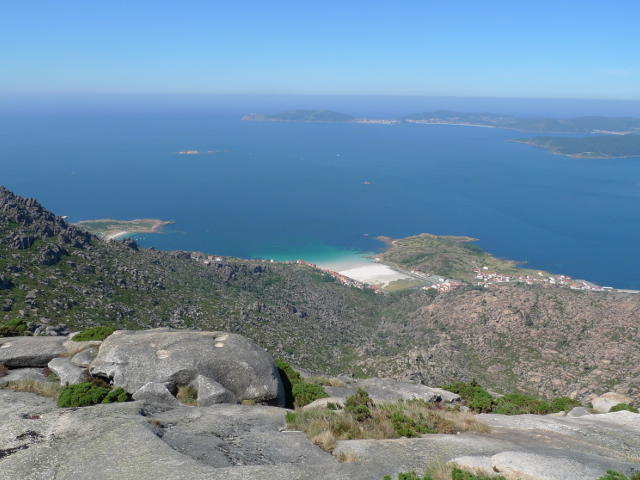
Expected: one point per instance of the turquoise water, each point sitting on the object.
(288, 191)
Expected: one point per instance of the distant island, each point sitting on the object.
(317, 116)
(199, 152)
(110, 229)
(608, 137)
(594, 146)
(592, 124)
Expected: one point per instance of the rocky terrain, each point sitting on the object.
(55, 278)
(239, 435)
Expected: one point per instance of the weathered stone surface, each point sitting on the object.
(13, 375)
(118, 442)
(533, 466)
(226, 435)
(67, 371)
(384, 390)
(578, 412)
(606, 401)
(211, 392)
(156, 394)
(132, 359)
(602, 442)
(16, 352)
(84, 357)
(73, 347)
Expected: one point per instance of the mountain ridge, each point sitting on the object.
(543, 341)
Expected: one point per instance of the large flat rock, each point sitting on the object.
(123, 442)
(528, 444)
(383, 390)
(19, 352)
(132, 359)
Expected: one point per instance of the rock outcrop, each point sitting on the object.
(607, 401)
(132, 359)
(17, 352)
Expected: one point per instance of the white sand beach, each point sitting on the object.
(116, 235)
(366, 271)
(374, 274)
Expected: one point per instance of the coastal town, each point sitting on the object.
(484, 277)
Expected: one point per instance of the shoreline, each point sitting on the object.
(110, 229)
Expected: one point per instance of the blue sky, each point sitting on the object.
(576, 49)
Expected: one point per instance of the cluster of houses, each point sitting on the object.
(484, 278)
(487, 278)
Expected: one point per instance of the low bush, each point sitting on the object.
(298, 393)
(620, 407)
(187, 395)
(359, 405)
(456, 474)
(408, 476)
(481, 401)
(93, 334)
(13, 328)
(613, 475)
(474, 396)
(86, 393)
(362, 419)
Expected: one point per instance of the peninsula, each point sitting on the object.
(110, 229)
(593, 146)
(605, 137)
(578, 125)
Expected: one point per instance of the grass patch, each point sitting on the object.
(623, 406)
(93, 334)
(187, 395)
(325, 381)
(86, 393)
(446, 473)
(45, 389)
(3, 370)
(481, 401)
(362, 419)
(298, 392)
(13, 328)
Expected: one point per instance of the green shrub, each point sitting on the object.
(406, 426)
(86, 393)
(117, 395)
(474, 396)
(409, 476)
(613, 475)
(518, 404)
(458, 474)
(94, 333)
(480, 401)
(623, 406)
(13, 328)
(562, 404)
(359, 405)
(305, 393)
(298, 393)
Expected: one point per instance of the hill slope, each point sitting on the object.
(545, 341)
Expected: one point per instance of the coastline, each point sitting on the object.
(110, 229)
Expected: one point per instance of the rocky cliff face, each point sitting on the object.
(541, 341)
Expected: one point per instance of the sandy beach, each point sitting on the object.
(116, 235)
(365, 270)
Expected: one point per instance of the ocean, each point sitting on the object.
(323, 192)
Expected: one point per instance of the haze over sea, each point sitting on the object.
(295, 190)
